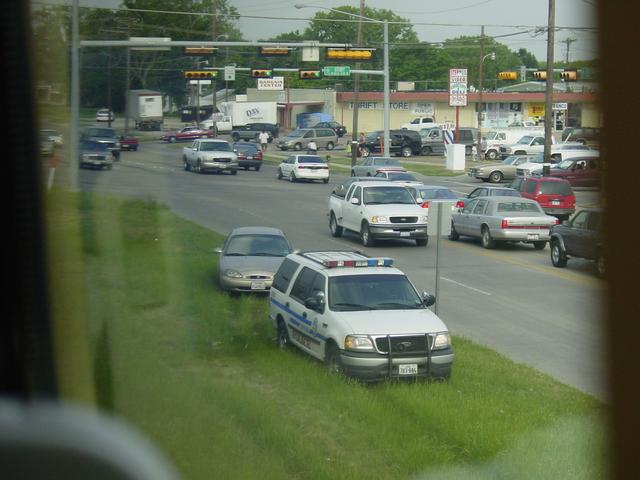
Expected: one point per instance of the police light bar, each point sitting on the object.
(369, 262)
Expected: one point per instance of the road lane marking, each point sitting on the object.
(467, 286)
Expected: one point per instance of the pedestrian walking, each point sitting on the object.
(483, 147)
(263, 138)
(312, 148)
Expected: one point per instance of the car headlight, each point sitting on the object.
(442, 340)
(379, 219)
(233, 274)
(358, 342)
(424, 218)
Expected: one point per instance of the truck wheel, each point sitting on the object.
(235, 137)
(283, 336)
(486, 239)
(495, 177)
(600, 265)
(292, 177)
(425, 151)
(279, 174)
(365, 235)
(406, 151)
(187, 167)
(558, 255)
(332, 360)
(422, 242)
(491, 155)
(336, 230)
(454, 235)
(330, 146)
(199, 167)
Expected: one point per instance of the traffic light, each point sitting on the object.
(273, 51)
(200, 50)
(508, 75)
(356, 55)
(310, 74)
(540, 74)
(569, 75)
(200, 74)
(261, 73)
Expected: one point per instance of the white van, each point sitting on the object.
(507, 136)
(222, 123)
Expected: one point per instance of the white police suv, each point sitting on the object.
(361, 316)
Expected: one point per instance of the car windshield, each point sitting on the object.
(257, 245)
(352, 293)
(94, 146)
(555, 188)
(310, 159)
(436, 193)
(387, 195)
(215, 147)
(491, 135)
(246, 148)
(100, 132)
(518, 207)
(510, 160)
(526, 140)
(296, 133)
(372, 137)
(564, 164)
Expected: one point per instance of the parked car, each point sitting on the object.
(397, 176)
(554, 195)
(368, 167)
(425, 195)
(129, 142)
(506, 136)
(502, 219)
(579, 237)
(433, 140)
(95, 154)
(498, 172)
(360, 316)
(586, 135)
(488, 191)
(103, 135)
(250, 257)
(105, 115)
(304, 167)
(340, 130)
(527, 145)
(403, 142)
(250, 131)
(186, 134)
(210, 155)
(579, 171)
(341, 190)
(249, 155)
(299, 139)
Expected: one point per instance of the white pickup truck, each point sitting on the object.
(378, 210)
(527, 145)
(419, 123)
(209, 154)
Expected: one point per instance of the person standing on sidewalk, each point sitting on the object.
(483, 147)
(263, 138)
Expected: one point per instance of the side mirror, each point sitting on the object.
(316, 302)
(428, 299)
(217, 250)
(355, 201)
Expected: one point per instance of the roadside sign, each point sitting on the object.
(274, 83)
(458, 87)
(201, 82)
(559, 106)
(336, 71)
(229, 73)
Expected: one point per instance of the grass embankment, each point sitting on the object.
(198, 371)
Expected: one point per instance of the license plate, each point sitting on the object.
(258, 285)
(249, 157)
(408, 369)
(533, 236)
(555, 202)
(405, 234)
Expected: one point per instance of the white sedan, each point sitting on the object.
(304, 167)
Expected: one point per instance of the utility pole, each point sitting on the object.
(213, 59)
(548, 112)
(568, 41)
(356, 88)
(480, 75)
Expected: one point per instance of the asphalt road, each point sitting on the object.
(511, 299)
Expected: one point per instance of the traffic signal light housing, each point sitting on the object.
(508, 75)
(310, 74)
(261, 73)
(354, 55)
(199, 51)
(569, 75)
(200, 74)
(540, 74)
(273, 51)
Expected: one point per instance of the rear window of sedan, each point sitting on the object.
(215, 147)
(518, 207)
(555, 188)
(310, 159)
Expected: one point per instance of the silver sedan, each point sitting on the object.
(250, 258)
(503, 219)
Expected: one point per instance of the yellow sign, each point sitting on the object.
(535, 110)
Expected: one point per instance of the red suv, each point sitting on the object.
(554, 195)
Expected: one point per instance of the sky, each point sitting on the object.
(500, 17)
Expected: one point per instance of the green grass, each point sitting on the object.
(198, 371)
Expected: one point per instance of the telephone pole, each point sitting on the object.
(356, 89)
(568, 41)
(548, 112)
